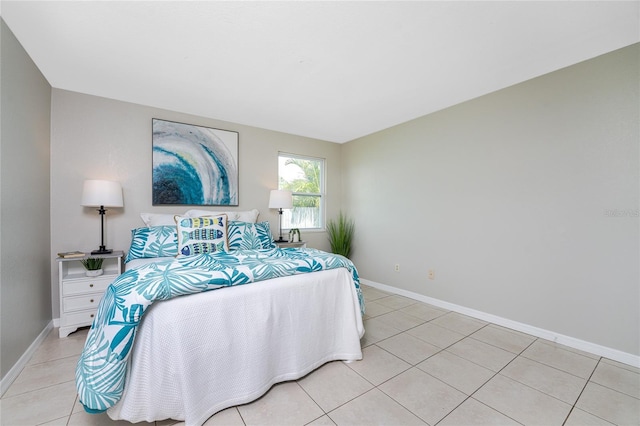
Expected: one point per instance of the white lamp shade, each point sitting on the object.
(105, 193)
(280, 199)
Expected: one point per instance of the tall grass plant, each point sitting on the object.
(340, 233)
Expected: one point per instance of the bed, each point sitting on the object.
(194, 355)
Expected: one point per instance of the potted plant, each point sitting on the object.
(340, 233)
(93, 265)
(294, 235)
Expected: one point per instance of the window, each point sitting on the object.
(304, 177)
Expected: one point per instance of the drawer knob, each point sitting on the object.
(91, 301)
(90, 285)
(91, 315)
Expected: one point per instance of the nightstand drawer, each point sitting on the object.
(77, 318)
(78, 303)
(89, 285)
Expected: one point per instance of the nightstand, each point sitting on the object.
(287, 244)
(79, 294)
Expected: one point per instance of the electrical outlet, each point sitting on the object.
(432, 274)
(397, 267)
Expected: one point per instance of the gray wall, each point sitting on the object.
(98, 138)
(25, 258)
(524, 202)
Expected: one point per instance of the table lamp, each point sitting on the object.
(101, 194)
(280, 199)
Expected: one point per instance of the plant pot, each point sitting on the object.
(94, 273)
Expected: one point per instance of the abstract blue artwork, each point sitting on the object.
(194, 165)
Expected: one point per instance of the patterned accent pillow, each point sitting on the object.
(154, 241)
(249, 236)
(205, 234)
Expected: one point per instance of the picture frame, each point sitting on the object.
(193, 165)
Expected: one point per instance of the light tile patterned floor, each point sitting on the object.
(422, 365)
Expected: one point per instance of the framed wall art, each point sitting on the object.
(194, 165)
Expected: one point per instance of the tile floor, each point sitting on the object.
(422, 365)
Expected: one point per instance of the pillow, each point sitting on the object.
(250, 216)
(249, 236)
(158, 219)
(205, 234)
(155, 241)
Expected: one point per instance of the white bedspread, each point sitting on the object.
(196, 355)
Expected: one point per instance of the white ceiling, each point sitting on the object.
(329, 70)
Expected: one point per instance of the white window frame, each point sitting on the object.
(321, 195)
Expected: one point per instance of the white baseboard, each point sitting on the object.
(614, 354)
(13, 374)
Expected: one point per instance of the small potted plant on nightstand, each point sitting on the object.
(93, 265)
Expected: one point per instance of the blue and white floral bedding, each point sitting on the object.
(101, 369)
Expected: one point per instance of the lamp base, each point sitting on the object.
(281, 240)
(102, 250)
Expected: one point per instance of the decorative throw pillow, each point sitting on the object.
(249, 236)
(154, 241)
(205, 234)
